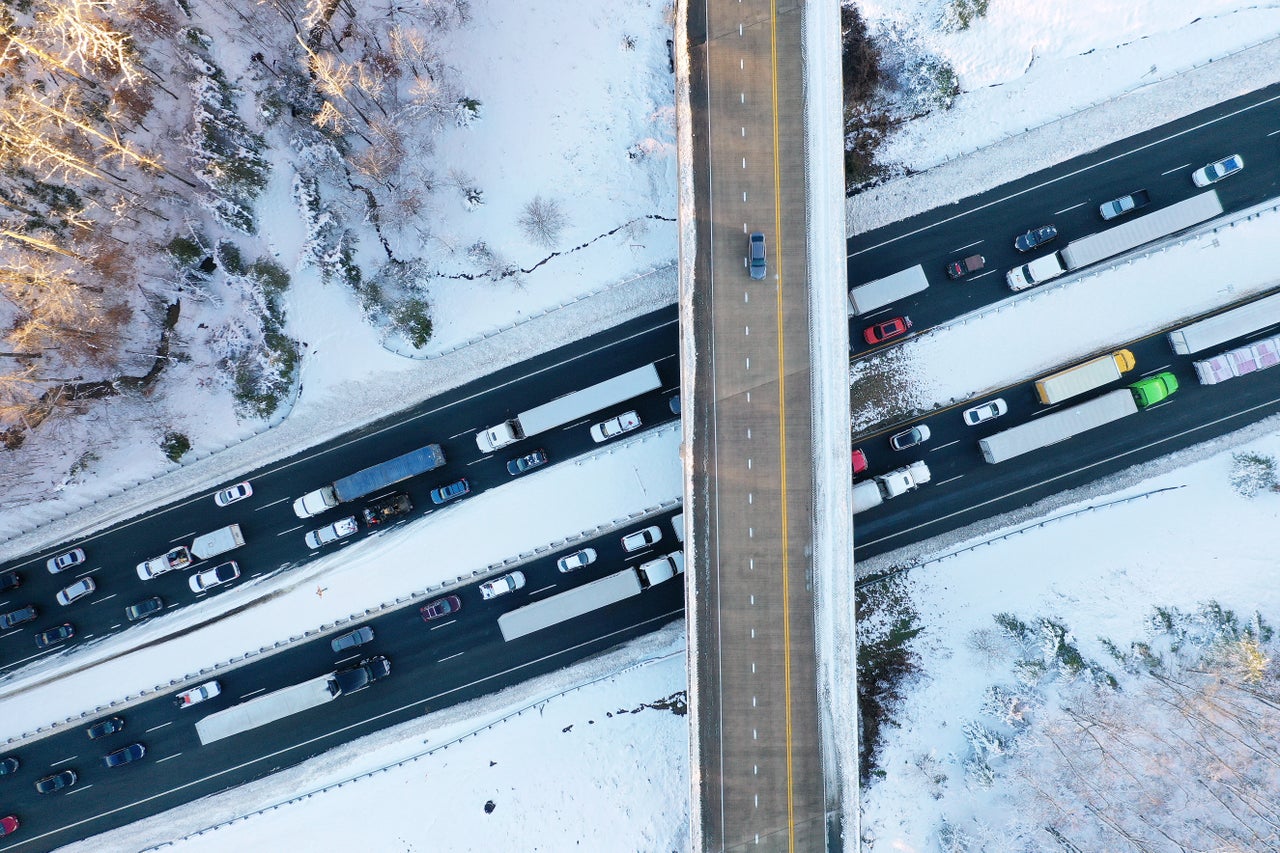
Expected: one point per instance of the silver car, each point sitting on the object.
(76, 591)
(62, 562)
(758, 267)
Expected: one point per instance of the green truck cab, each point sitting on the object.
(1153, 389)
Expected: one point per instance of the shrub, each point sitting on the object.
(175, 445)
(1252, 472)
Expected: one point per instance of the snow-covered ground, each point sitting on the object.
(1101, 573)
(564, 793)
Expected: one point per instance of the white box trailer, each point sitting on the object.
(1057, 426)
(1227, 326)
(876, 294)
(569, 605)
(268, 708)
(1141, 230)
(570, 407)
(218, 542)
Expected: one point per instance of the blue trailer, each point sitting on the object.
(368, 481)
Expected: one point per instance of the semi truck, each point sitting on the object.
(1060, 426)
(218, 542)
(876, 294)
(877, 490)
(1142, 229)
(1240, 361)
(1117, 240)
(1074, 381)
(570, 407)
(1229, 325)
(369, 480)
(287, 701)
(1036, 272)
(590, 596)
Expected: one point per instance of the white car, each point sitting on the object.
(985, 412)
(197, 694)
(209, 578)
(62, 562)
(332, 532)
(76, 591)
(501, 586)
(576, 560)
(1215, 172)
(615, 427)
(641, 539)
(231, 494)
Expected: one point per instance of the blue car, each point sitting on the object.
(447, 493)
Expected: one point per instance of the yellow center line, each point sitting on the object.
(782, 428)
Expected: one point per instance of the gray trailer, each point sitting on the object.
(1058, 426)
(268, 708)
(218, 542)
(370, 480)
(569, 605)
(1143, 229)
(876, 294)
(1227, 326)
(570, 407)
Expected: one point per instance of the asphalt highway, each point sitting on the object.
(1066, 195)
(433, 665)
(274, 535)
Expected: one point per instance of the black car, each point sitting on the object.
(45, 639)
(10, 580)
(18, 617)
(1035, 237)
(109, 726)
(132, 752)
(8, 764)
(145, 608)
(56, 782)
(536, 459)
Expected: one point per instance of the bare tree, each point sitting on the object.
(542, 221)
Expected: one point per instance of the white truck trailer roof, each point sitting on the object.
(879, 293)
(265, 709)
(1057, 426)
(581, 403)
(1141, 230)
(1227, 326)
(569, 605)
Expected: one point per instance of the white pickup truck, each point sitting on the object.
(178, 558)
(615, 427)
(332, 532)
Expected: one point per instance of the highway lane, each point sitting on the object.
(434, 665)
(274, 535)
(966, 489)
(1067, 195)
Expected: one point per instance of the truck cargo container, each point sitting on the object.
(1227, 326)
(1141, 230)
(1059, 426)
(1092, 374)
(218, 542)
(570, 407)
(876, 294)
(370, 480)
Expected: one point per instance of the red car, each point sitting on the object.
(859, 461)
(889, 329)
(8, 824)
